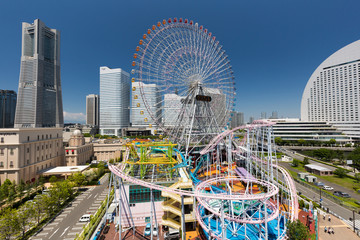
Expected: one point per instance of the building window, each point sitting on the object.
(140, 194)
(11, 164)
(72, 151)
(37, 148)
(38, 137)
(1, 152)
(28, 138)
(2, 140)
(46, 136)
(42, 137)
(11, 151)
(28, 150)
(46, 146)
(50, 145)
(1, 164)
(28, 162)
(50, 135)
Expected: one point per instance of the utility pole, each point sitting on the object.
(354, 219)
(320, 198)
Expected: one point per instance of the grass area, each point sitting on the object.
(345, 182)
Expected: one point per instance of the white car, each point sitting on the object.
(85, 218)
(328, 188)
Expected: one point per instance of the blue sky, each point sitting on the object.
(274, 46)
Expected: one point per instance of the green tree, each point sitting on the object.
(340, 172)
(20, 187)
(324, 154)
(24, 217)
(97, 136)
(305, 161)
(357, 177)
(53, 179)
(297, 231)
(295, 163)
(301, 142)
(78, 178)
(9, 225)
(332, 142)
(38, 208)
(279, 141)
(87, 135)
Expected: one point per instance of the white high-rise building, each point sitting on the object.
(333, 91)
(172, 108)
(140, 117)
(115, 100)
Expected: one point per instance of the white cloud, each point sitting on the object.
(74, 117)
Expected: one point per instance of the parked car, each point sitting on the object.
(172, 234)
(85, 218)
(337, 193)
(147, 231)
(328, 188)
(345, 195)
(319, 184)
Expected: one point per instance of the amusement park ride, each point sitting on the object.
(225, 183)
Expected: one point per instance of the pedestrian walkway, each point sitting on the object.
(341, 230)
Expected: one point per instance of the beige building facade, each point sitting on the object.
(107, 151)
(78, 152)
(26, 152)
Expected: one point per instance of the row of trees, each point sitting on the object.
(301, 142)
(15, 222)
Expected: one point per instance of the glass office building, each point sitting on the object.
(92, 110)
(7, 108)
(39, 102)
(115, 101)
(140, 116)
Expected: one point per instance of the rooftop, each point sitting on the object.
(65, 170)
(317, 167)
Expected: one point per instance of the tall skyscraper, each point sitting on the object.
(139, 114)
(115, 100)
(92, 110)
(7, 108)
(274, 115)
(39, 102)
(263, 115)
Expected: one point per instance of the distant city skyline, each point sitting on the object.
(272, 58)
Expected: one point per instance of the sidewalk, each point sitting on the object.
(341, 230)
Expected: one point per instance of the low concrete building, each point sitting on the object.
(78, 152)
(318, 170)
(25, 152)
(310, 178)
(302, 175)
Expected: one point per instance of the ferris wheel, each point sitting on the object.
(185, 81)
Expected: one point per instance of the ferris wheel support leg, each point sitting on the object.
(108, 197)
(151, 214)
(120, 211)
(223, 227)
(183, 230)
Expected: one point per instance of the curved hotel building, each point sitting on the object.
(332, 92)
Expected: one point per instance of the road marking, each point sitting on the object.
(80, 223)
(52, 224)
(42, 234)
(96, 195)
(48, 228)
(89, 196)
(58, 219)
(64, 231)
(72, 233)
(76, 228)
(54, 233)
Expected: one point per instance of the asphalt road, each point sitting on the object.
(66, 225)
(335, 208)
